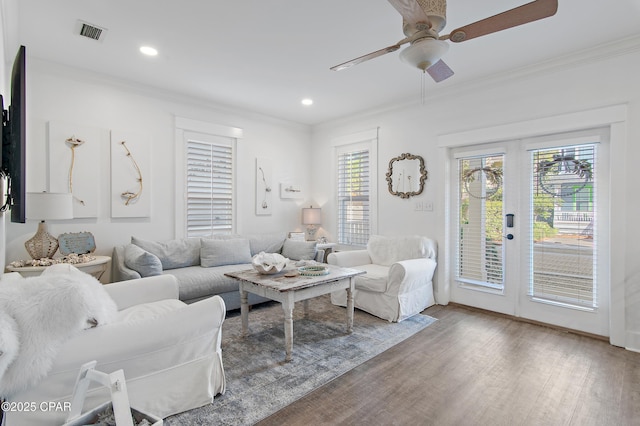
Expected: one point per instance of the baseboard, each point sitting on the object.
(539, 323)
(632, 342)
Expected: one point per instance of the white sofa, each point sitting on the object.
(169, 351)
(399, 278)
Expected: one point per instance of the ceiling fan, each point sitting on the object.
(424, 19)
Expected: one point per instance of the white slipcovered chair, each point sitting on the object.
(169, 351)
(398, 282)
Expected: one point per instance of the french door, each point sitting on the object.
(531, 229)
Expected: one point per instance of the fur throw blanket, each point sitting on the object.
(38, 314)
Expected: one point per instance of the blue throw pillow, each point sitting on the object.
(214, 252)
(145, 263)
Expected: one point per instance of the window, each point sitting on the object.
(480, 210)
(563, 247)
(355, 193)
(209, 185)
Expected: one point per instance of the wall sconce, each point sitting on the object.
(46, 206)
(311, 217)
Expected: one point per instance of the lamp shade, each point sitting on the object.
(49, 205)
(311, 216)
(424, 53)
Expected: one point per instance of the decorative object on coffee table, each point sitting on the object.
(313, 271)
(269, 263)
(46, 206)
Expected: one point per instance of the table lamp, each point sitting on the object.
(46, 206)
(311, 217)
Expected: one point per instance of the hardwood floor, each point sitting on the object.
(477, 368)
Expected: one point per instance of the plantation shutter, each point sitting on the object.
(354, 197)
(563, 208)
(480, 257)
(209, 187)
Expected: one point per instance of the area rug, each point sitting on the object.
(259, 382)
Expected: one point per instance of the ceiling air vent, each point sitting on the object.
(91, 31)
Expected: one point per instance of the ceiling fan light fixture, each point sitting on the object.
(423, 53)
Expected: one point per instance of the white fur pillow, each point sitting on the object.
(45, 311)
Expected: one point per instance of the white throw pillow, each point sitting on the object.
(43, 312)
(299, 250)
(224, 252)
(388, 250)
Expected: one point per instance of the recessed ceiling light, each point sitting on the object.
(307, 102)
(148, 50)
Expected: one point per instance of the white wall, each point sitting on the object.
(588, 80)
(56, 93)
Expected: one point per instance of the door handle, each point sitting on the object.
(509, 236)
(510, 220)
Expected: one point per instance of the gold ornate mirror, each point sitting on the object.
(406, 175)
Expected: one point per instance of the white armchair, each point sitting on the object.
(169, 351)
(398, 282)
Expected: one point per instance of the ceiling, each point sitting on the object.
(267, 55)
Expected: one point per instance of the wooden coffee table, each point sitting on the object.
(288, 290)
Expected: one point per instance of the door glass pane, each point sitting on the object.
(480, 259)
(562, 209)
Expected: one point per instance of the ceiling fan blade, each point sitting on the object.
(524, 14)
(368, 56)
(439, 71)
(410, 11)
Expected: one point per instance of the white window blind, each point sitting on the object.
(480, 259)
(354, 225)
(563, 237)
(209, 188)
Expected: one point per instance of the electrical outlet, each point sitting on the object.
(418, 206)
(428, 206)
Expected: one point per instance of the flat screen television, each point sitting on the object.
(14, 138)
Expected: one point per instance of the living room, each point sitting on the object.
(589, 88)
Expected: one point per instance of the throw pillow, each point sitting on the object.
(145, 263)
(215, 252)
(40, 314)
(267, 242)
(388, 250)
(172, 253)
(299, 250)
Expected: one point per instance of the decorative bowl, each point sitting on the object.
(313, 271)
(269, 263)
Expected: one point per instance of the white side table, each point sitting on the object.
(96, 268)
